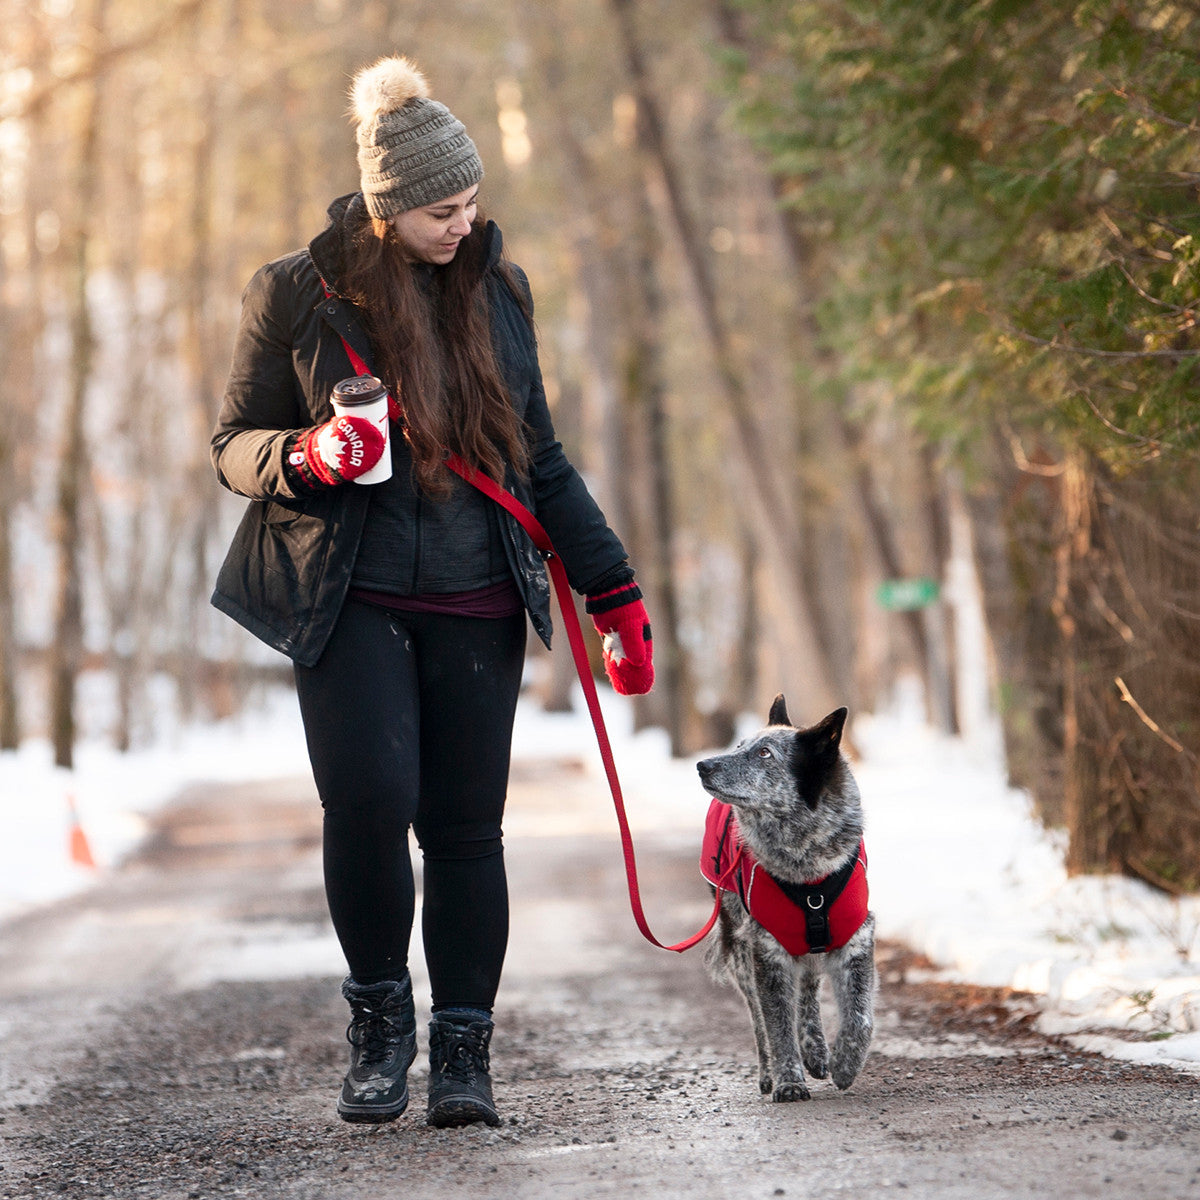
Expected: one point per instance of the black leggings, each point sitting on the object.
(408, 718)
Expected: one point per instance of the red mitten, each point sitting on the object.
(338, 451)
(620, 617)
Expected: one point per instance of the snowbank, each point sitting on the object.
(112, 793)
(961, 871)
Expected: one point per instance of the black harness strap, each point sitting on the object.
(815, 900)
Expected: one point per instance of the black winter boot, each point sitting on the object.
(383, 1043)
(460, 1088)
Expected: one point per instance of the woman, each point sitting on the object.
(403, 604)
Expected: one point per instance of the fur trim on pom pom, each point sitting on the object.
(388, 85)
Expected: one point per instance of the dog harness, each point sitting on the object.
(805, 918)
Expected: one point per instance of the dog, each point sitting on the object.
(784, 846)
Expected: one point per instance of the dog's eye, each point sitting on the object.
(764, 752)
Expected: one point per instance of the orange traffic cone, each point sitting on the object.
(81, 852)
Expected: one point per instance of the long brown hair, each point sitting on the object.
(433, 347)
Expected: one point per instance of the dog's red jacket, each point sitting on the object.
(830, 910)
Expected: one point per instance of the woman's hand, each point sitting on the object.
(340, 450)
(620, 618)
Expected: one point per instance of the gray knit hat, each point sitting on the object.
(412, 150)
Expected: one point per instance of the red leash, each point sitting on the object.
(562, 590)
(566, 604)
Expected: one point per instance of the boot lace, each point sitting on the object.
(463, 1051)
(373, 1031)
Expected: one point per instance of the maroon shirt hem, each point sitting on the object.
(499, 600)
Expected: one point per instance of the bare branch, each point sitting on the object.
(1148, 110)
(1026, 465)
(99, 61)
(1136, 439)
(1094, 352)
(1146, 720)
(1178, 310)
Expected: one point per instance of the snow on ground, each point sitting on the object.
(959, 869)
(112, 794)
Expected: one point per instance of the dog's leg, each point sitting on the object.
(739, 962)
(853, 975)
(765, 1082)
(775, 988)
(813, 1049)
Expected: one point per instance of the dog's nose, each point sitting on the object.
(704, 766)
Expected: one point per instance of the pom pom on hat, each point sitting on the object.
(388, 85)
(412, 150)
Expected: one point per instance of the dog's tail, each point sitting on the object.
(714, 960)
(717, 951)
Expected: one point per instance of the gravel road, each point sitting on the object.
(176, 1032)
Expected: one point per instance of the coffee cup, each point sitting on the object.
(366, 396)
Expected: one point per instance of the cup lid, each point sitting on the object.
(359, 389)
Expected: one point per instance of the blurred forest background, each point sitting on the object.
(842, 305)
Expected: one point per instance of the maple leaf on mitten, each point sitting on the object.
(340, 450)
(620, 618)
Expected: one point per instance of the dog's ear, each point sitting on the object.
(778, 714)
(816, 753)
(828, 734)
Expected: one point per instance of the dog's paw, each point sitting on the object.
(765, 1084)
(846, 1064)
(843, 1077)
(816, 1059)
(787, 1092)
(844, 1074)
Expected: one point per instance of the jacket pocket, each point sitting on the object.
(291, 542)
(274, 513)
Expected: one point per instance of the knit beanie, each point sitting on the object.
(412, 151)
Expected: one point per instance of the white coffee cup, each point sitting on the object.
(366, 396)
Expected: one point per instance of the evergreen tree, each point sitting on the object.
(1005, 194)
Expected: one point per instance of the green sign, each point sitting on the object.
(905, 595)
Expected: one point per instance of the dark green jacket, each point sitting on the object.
(287, 572)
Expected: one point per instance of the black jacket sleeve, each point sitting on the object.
(264, 408)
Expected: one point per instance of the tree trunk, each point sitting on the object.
(746, 667)
(202, 356)
(645, 395)
(623, 349)
(15, 358)
(758, 478)
(941, 668)
(23, 330)
(1127, 557)
(10, 663)
(66, 655)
